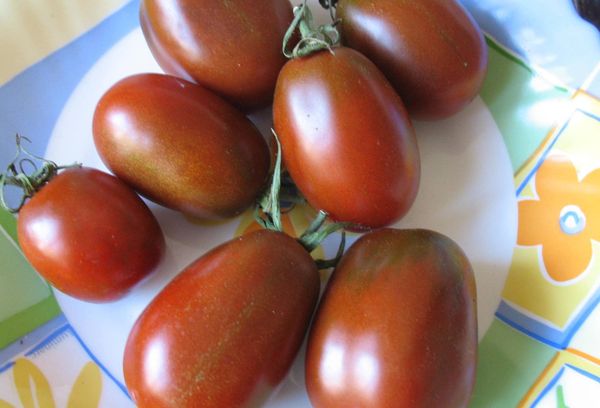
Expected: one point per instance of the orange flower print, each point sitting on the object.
(564, 220)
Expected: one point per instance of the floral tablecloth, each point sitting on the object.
(543, 90)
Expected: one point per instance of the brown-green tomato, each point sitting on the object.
(231, 47)
(432, 51)
(346, 138)
(181, 146)
(226, 330)
(397, 325)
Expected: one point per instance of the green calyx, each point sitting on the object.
(317, 231)
(268, 214)
(268, 211)
(312, 39)
(28, 182)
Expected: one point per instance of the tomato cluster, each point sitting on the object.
(397, 322)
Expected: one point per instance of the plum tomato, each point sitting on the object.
(90, 235)
(396, 326)
(346, 138)
(226, 330)
(231, 47)
(181, 146)
(432, 51)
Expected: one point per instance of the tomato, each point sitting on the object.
(90, 235)
(346, 138)
(396, 326)
(180, 145)
(231, 47)
(432, 51)
(226, 330)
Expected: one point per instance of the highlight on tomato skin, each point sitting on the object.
(226, 330)
(231, 47)
(181, 145)
(346, 138)
(396, 326)
(90, 235)
(432, 51)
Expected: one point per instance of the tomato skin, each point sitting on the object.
(432, 51)
(181, 146)
(225, 331)
(346, 138)
(90, 235)
(396, 326)
(233, 48)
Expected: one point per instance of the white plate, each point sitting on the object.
(466, 193)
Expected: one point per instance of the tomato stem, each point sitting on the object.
(310, 240)
(312, 39)
(269, 203)
(317, 223)
(268, 214)
(30, 182)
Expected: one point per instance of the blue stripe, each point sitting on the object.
(582, 317)
(584, 373)
(559, 339)
(548, 387)
(524, 328)
(56, 334)
(6, 367)
(556, 378)
(102, 367)
(48, 340)
(550, 147)
(539, 163)
(31, 339)
(592, 115)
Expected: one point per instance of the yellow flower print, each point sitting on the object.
(34, 389)
(564, 220)
(32, 385)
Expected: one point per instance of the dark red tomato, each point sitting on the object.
(181, 145)
(90, 235)
(346, 138)
(226, 330)
(432, 51)
(397, 325)
(231, 47)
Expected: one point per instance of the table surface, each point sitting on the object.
(543, 348)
